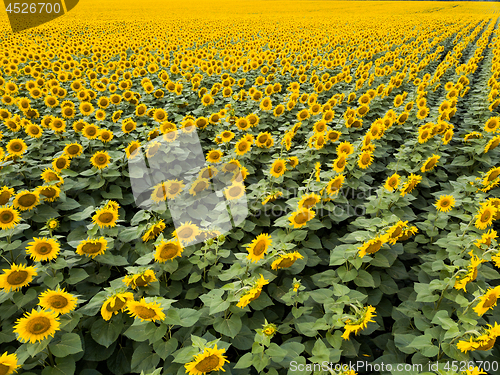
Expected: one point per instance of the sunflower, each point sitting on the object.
(492, 144)
(286, 260)
(372, 246)
(90, 131)
(333, 187)
(172, 188)
(35, 326)
(243, 124)
(48, 193)
(114, 304)
(462, 280)
(91, 247)
(365, 159)
(333, 135)
(278, 168)
(9, 217)
(100, 159)
(309, 200)
(214, 156)
(73, 150)
(392, 182)
(60, 163)
(272, 197)
(487, 301)
(253, 293)
(293, 161)
(26, 200)
(485, 216)
(208, 361)
(159, 193)
(186, 232)
(5, 194)
(105, 217)
(154, 231)
(235, 191)
(395, 232)
(141, 279)
(16, 147)
(34, 131)
(132, 150)
(491, 175)
(43, 249)
(445, 203)
(430, 163)
(128, 125)
(16, 277)
(242, 146)
(492, 124)
(8, 364)
(59, 301)
(226, 136)
(259, 247)
(356, 326)
(300, 217)
(86, 108)
(411, 183)
(48, 175)
(345, 148)
(339, 163)
(168, 250)
(145, 311)
(486, 238)
(207, 100)
(105, 135)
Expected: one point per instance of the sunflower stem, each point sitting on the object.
(51, 357)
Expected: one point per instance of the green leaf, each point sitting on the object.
(229, 327)
(245, 361)
(82, 215)
(63, 366)
(144, 359)
(69, 343)
(115, 192)
(106, 332)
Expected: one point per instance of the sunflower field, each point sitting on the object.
(361, 139)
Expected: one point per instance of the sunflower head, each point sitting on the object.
(37, 325)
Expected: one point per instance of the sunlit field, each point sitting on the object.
(362, 136)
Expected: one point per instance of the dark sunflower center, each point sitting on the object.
(17, 277)
(16, 147)
(4, 369)
(58, 302)
(285, 263)
(101, 159)
(7, 217)
(43, 248)
(145, 312)
(60, 163)
(73, 150)
(27, 200)
(106, 217)
(91, 131)
(143, 280)
(4, 197)
(374, 247)
(486, 216)
(302, 218)
(185, 233)
(168, 251)
(118, 305)
(309, 202)
(259, 248)
(208, 364)
(234, 191)
(38, 325)
(91, 248)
